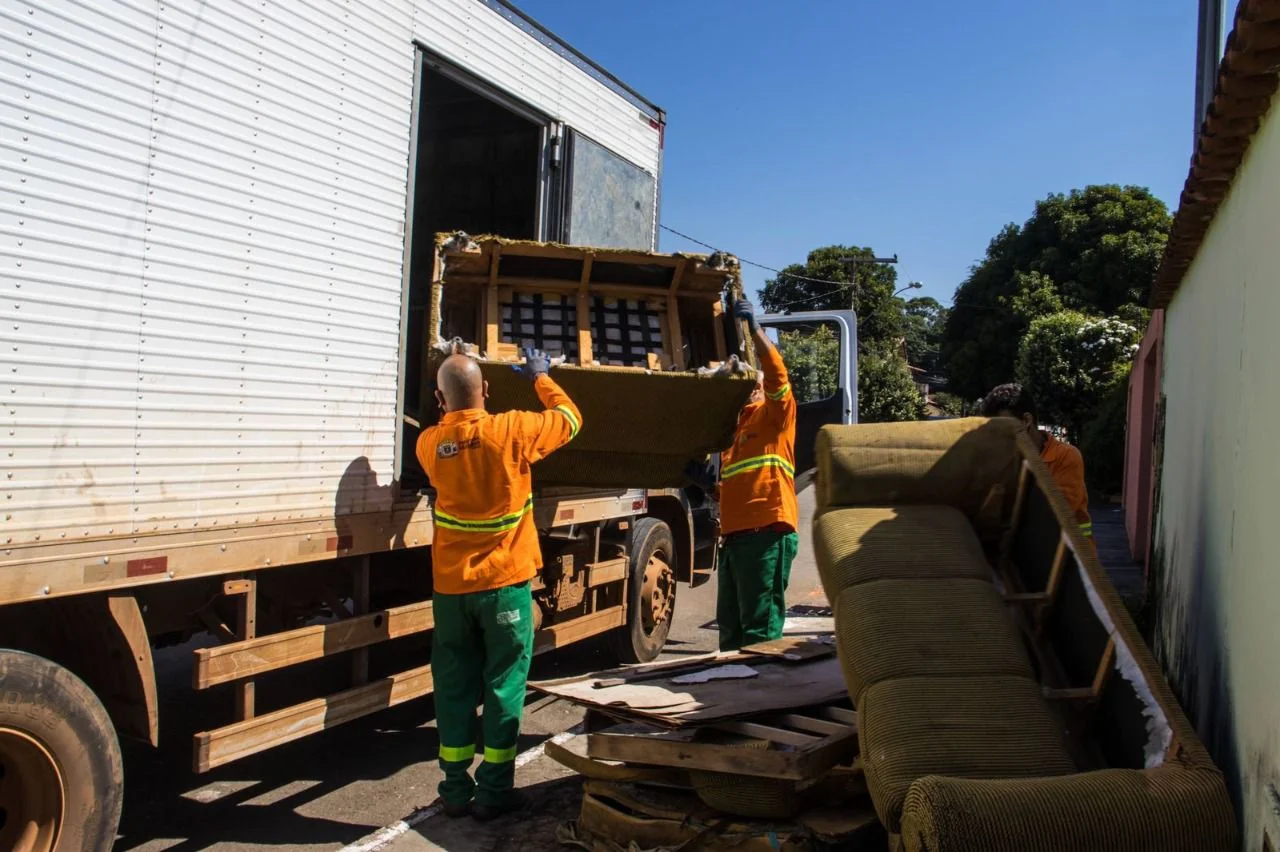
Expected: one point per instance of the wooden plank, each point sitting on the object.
(1105, 666)
(717, 328)
(360, 604)
(223, 745)
(679, 752)
(608, 571)
(236, 587)
(585, 353)
(560, 635)
(768, 732)
(247, 629)
(675, 343)
(808, 723)
(238, 660)
(848, 717)
(492, 312)
(127, 615)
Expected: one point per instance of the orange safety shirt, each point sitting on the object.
(1067, 466)
(757, 474)
(479, 464)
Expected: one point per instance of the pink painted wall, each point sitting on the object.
(1139, 472)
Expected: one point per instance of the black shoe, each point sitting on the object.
(456, 811)
(515, 801)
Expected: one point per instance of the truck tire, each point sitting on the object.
(651, 593)
(61, 775)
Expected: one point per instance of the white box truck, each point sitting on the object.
(218, 223)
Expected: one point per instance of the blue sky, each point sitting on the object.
(916, 127)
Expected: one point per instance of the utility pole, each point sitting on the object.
(855, 262)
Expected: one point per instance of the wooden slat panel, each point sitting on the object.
(560, 635)
(817, 726)
(221, 746)
(609, 571)
(767, 732)
(239, 660)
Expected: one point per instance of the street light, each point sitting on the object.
(914, 285)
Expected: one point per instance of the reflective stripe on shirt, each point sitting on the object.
(484, 525)
(779, 393)
(574, 426)
(756, 463)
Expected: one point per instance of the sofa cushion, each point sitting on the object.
(965, 462)
(1110, 810)
(966, 727)
(912, 628)
(893, 542)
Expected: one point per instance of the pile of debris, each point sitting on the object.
(756, 749)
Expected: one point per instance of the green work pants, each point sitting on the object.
(751, 597)
(481, 649)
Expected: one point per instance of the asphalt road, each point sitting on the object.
(369, 784)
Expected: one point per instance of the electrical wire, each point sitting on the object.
(844, 286)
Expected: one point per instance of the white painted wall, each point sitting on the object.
(1216, 557)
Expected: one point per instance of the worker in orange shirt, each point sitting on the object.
(1063, 460)
(484, 554)
(758, 512)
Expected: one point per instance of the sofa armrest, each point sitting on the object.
(1172, 807)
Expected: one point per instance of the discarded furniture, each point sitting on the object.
(1006, 700)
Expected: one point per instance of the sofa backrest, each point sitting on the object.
(970, 463)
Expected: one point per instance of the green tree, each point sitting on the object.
(886, 391)
(1102, 442)
(924, 319)
(1093, 250)
(1070, 362)
(812, 361)
(805, 287)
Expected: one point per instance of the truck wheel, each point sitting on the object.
(651, 593)
(61, 776)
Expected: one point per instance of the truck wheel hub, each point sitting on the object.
(31, 794)
(658, 591)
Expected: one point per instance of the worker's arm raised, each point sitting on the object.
(544, 432)
(777, 385)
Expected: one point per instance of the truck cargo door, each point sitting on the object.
(820, 349)
(610, 202)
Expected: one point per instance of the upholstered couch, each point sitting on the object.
(1006, 700)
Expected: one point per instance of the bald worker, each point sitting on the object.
(484, 555)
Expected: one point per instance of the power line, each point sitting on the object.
(842, 285)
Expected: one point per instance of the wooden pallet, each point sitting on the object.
(807, 744)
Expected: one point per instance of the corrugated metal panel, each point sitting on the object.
(202, 222)
(479, 39)
(208, 206)
(271, 293)
(73, 167)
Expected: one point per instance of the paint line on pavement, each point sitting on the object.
(385, 836)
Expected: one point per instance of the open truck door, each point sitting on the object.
(820, 349)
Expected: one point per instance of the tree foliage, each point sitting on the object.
(1102, 441)
(812, 361)
(871, 297)
(1070, 362)
(1093, 250)
(886, 391)
(924, 319)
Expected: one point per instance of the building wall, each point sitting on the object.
(1215, 565)
(1140, 421)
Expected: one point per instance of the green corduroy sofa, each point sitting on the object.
(1006, 700)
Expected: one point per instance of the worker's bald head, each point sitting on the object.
(460, 384)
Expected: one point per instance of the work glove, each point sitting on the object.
(745, 311)
(536, 363)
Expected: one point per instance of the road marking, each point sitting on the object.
(383, 837)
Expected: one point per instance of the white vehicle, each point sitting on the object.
(214, 221)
